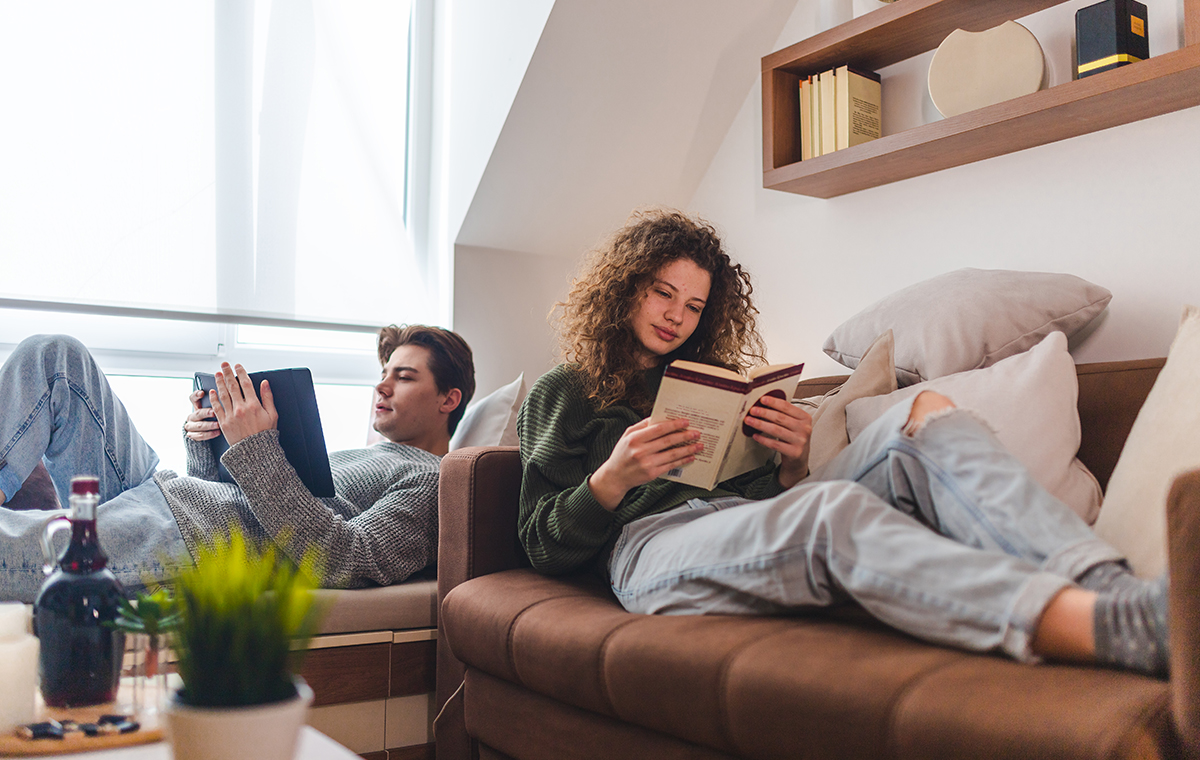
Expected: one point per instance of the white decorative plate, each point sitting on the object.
(975, 69)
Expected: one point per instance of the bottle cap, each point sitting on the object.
(83, 485)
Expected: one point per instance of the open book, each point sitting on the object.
(715, 401)
(300, 434)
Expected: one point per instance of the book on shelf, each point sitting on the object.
(805, 120)
(715, 402)
(299, 425)
(828, 97)
(814, 102)
(857, 101)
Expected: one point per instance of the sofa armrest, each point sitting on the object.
(478, 493)
(1183, 553)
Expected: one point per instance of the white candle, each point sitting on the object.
(18, 667)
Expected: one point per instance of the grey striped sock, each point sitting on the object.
(1113, 575)
(1131, 627)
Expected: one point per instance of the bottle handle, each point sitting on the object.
(53, 525)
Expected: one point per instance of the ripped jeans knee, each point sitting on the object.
(926, 406)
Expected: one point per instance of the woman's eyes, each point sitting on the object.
(695, 309)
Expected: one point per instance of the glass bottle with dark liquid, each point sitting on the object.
(80, 660)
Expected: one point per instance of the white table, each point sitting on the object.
(312, 745)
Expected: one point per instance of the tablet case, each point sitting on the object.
(299, 425)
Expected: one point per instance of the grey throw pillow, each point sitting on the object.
(968, 319)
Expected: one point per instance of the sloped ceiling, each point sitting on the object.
(624, 103)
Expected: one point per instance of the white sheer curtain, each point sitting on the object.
(233, 159)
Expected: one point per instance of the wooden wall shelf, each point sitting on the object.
(1164, 83)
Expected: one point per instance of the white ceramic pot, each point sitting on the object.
(265, 732)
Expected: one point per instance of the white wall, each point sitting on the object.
(480, 54)
(1117, 207)
(504, 299)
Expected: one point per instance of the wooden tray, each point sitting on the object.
(152, 724)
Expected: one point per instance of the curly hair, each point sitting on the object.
(594, 327)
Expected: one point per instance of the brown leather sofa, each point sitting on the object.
(534, 667)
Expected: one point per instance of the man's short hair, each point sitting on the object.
(450, 359)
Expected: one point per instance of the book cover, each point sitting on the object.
(300, 433)
(715, 402)
(828, 112)
(858, 106)
(805, 120)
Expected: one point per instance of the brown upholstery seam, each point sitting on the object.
(603, 658)
(903, 692)
(512, 629)
(471, 519)
(723, 687)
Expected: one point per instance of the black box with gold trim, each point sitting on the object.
(1110, 34)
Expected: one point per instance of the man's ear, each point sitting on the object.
(451, 402)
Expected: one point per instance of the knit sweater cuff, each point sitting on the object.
(255, 458)
(587, 514)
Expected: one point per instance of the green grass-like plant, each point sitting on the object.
(245, 615)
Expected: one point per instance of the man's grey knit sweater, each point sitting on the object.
(380, 528)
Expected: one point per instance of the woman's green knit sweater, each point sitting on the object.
(564, 439)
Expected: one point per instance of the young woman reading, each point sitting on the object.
(925, 520)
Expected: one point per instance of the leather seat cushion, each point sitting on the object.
(839, 685)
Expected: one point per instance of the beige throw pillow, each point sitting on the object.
(968, 319)
(874, 376)
(1163, 443)
(1031, 402)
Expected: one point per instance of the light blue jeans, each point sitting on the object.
(938, 531)
(58, 408)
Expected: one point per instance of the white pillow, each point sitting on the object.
(1163, 443)
(1031, 402)
(968, 319)
(491, 420)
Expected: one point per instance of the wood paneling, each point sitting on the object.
(413, 667)
(347, 674)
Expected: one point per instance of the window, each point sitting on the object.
(191, 182)
(224, 159)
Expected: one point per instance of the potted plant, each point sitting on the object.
(246, 615)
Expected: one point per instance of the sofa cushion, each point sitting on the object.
(404, 605)
(1162, 444)
(37, 492)
(875, 375)
(969, 318)
(491, 420)
(1029, 400)
(762, 687)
